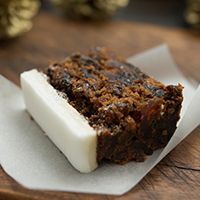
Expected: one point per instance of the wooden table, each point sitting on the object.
(178, 175)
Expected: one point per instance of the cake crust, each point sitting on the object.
(132, 113)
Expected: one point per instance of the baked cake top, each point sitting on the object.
(111, 93)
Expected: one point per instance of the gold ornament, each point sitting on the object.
(192, 14)
(15, 16)
(90, 9)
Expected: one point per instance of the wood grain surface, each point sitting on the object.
(178, 175)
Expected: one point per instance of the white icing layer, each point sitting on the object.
(62, 123)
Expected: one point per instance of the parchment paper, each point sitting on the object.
(29, 157)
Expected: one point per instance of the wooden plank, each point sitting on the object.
(52, 38)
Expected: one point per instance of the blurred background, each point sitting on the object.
(181, 13)
(167, 13)
(16, 15)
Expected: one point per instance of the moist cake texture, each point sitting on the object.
(132, 113)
